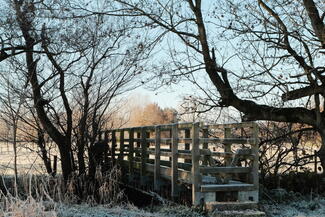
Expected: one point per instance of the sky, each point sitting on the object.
(165, 97)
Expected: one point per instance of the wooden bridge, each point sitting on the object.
(213, 160)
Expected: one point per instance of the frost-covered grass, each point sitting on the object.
(297, 208)
(124, 211)
(14, 207)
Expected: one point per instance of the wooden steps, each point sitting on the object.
(233, 209)
(227, 187)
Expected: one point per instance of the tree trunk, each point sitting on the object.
(66, 160)
(44, 155)
(81, 158)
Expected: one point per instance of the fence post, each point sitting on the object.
(174, 163)
(205, 146)
(131, 153)
(187, 144)
(255, 152)
(113, 146)
(143, 155)
(121, 154)
(196, 176)
(157, 159)
(227, 146)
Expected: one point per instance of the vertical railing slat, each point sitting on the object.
(196, 176)
(205, 134)
(187, 144)
(131, 153)
(113, 146)
(121, 154)
(227, 146)
(255, 152)
(157, 159)
(143, 155)
(174, 163)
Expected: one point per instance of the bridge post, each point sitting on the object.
(131, 154)
(121, 154)
(196, 176)
(227, 146)
(255, 152)
(187, 144)
(205, 145)
(174, 163)
(143, 155)
(157, 159)
(137, 154)
(113, 146)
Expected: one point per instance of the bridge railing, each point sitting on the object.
(211, 158)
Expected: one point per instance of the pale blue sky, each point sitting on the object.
(165, 97)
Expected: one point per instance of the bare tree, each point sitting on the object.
(11, 102)
(75, 65)
(277, 49)
(286, 147)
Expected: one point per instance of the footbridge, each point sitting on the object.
(215, 163)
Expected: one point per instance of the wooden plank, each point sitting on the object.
(205, 134)
(232, 125)
(227, 187)
(157, 159)
(162, 153)
(228, 140)
(138, 144)
(165, 172)
(183, 166)
(196, 176)
(187, 154)
(174, 148)
(166, 140)
(113, 146)
(255, 152)
(187, 144)
(121, 149)
(227, 145)
(188, 125)
(143, 155)
(214, 170)
(131, 152)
